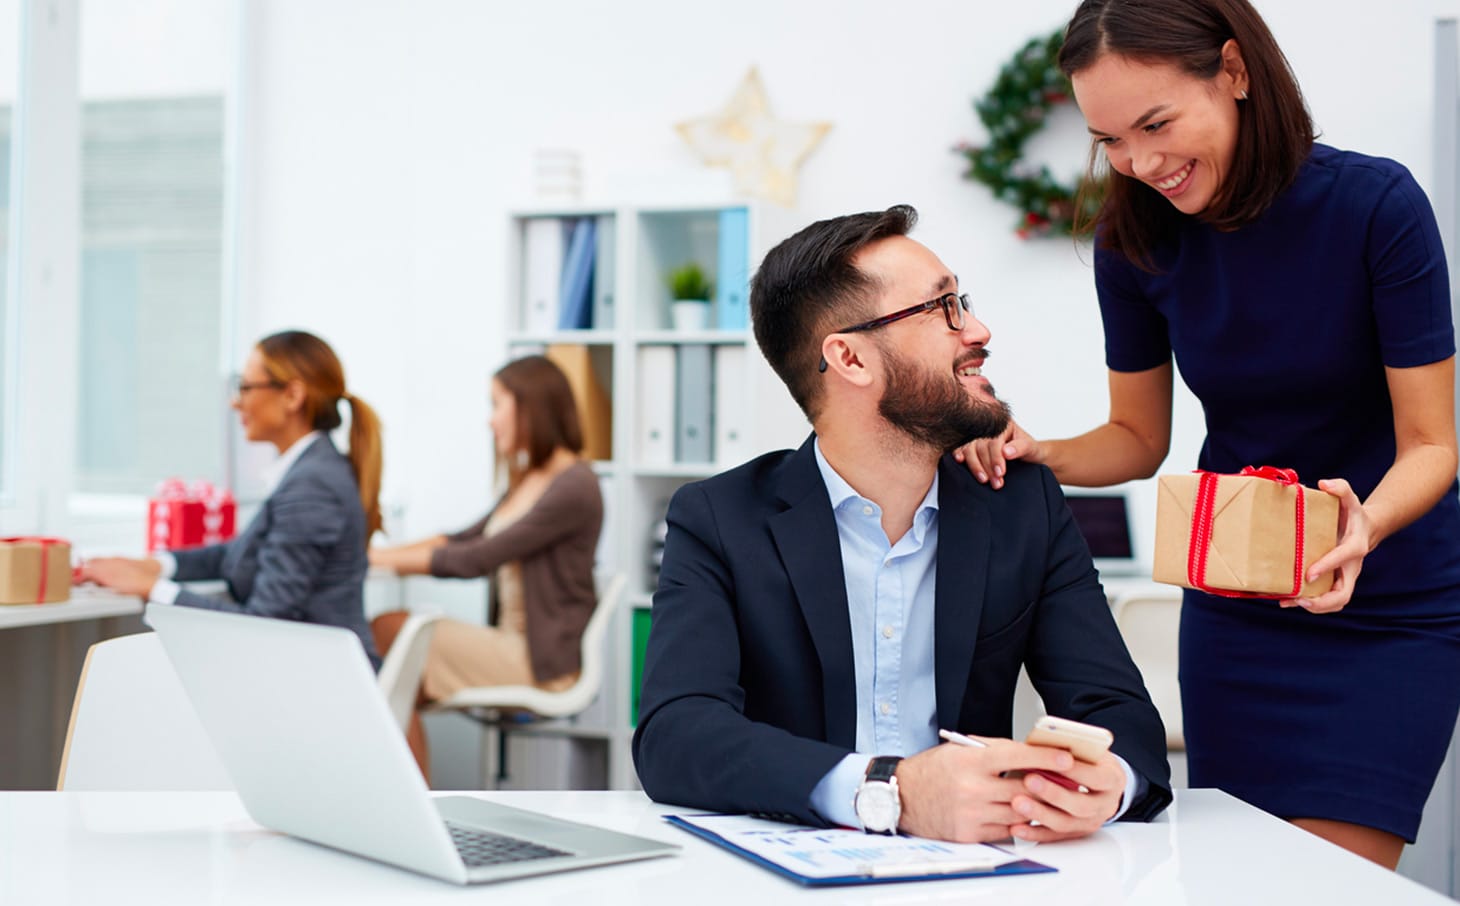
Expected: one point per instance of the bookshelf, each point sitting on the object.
(677, 404)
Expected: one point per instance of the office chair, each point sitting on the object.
(133, 727)
(528, 710)
(1149, 623)
(400, 671)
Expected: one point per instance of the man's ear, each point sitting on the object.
(844, 355)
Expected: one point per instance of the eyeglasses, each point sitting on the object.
(245, 386)
(955, 306)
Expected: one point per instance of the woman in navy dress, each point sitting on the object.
(1303, 291)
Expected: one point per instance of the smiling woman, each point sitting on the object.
(1303, 291)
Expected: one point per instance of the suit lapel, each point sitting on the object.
(963, 559)
(806, 537)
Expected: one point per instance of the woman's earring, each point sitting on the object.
(522, 460)
(1242, 95)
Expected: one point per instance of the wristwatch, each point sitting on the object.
(878, 803)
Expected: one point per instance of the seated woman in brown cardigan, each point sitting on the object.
(536, 544)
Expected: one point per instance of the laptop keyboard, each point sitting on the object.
(478, 848)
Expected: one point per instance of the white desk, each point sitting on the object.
(86, 603)
(185, 848)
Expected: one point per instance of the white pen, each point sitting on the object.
(959, 739)
(915, 869)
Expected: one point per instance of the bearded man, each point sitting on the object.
(822, 613)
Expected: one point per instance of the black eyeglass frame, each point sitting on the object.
(962, 310)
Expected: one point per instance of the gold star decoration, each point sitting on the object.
(761, 152)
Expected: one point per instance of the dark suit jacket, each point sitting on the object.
(301, 558)
(749, 692)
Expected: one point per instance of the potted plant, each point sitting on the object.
(689, 292)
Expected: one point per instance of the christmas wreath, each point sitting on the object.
(1027, 89)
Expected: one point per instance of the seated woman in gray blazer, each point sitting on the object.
(303, 556)
(537, 544)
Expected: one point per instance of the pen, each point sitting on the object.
(914, 869)
(959, 739)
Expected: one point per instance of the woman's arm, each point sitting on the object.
(571, 505)
(1424, 466)
(407, 559)
(1131, 444)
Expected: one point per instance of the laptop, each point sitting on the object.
(1104, 520)
(310, 744)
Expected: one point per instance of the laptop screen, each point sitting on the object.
(1104, 520)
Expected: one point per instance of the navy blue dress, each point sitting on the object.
(1283, 330)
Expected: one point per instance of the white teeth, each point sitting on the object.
(970, 372)
(1174, 181)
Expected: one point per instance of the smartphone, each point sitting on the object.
(1086, 742)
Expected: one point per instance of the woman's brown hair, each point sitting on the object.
(296, 355)
(547, 416)
(1275, 131)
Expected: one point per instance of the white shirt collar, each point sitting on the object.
(276, 470)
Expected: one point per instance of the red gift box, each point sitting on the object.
(189, 515)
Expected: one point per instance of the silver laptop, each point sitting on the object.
(295, 714)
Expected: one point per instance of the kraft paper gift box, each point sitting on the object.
(34, 570)
(189, 515)
(1247, 525)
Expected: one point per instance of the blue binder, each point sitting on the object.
(733, 273)
(575, 308)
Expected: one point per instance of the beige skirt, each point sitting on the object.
(464, 655)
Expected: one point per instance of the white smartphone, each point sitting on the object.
(1086, 742)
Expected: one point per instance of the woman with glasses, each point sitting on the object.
(1303, 291)
(302, 557)
(537, 544)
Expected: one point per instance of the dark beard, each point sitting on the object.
(936, 411)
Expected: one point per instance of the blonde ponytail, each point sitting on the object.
(366, 460)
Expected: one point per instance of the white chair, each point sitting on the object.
(133, 727)
(527, 709)
(1150, 624)
(400, 671)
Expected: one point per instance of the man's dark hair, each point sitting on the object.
(1274, 136)
(807, 287)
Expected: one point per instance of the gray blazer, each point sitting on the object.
(301, 558)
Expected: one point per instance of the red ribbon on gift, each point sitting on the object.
(1203, 514)
(45, 544)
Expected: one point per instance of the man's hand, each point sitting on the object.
(121, 574)
(957, 793)
(985, 458)
(1064, 814)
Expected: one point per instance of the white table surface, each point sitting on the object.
(190, 848)
(87, 602)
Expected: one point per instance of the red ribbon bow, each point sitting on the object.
(45, 544)
(1203, 514)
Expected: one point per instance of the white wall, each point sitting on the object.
(386, 141)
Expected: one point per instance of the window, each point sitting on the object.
(151, 398)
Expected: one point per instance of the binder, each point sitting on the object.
(542, 269)
(654, 432)
(595, 408)
(838, 856)
(693, 415)
(732, 421)
(733, 273)
(605, 272)
(575, 302)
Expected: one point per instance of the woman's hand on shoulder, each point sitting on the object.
(1346, 560)
(985, 457)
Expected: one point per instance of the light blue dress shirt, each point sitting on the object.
(890, 601)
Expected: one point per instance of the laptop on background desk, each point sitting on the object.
(1104, 519)
(304, 732)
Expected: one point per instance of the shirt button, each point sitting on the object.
(866, 511)
(887, 632)
(886, 709)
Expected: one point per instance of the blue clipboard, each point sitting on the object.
(1022, 867)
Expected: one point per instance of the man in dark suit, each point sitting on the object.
(823, 612)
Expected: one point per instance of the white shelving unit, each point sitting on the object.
(628, 360)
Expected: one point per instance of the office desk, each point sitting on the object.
(42, 647)
(160, 849)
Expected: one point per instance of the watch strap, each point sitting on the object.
(883, 767)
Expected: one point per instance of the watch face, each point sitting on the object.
(877, 806)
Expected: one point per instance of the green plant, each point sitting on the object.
(688, 281)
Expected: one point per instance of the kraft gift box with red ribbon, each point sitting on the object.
(191, 514)
(1249, 535)
(34, 570)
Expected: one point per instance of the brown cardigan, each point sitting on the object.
(555, 542)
